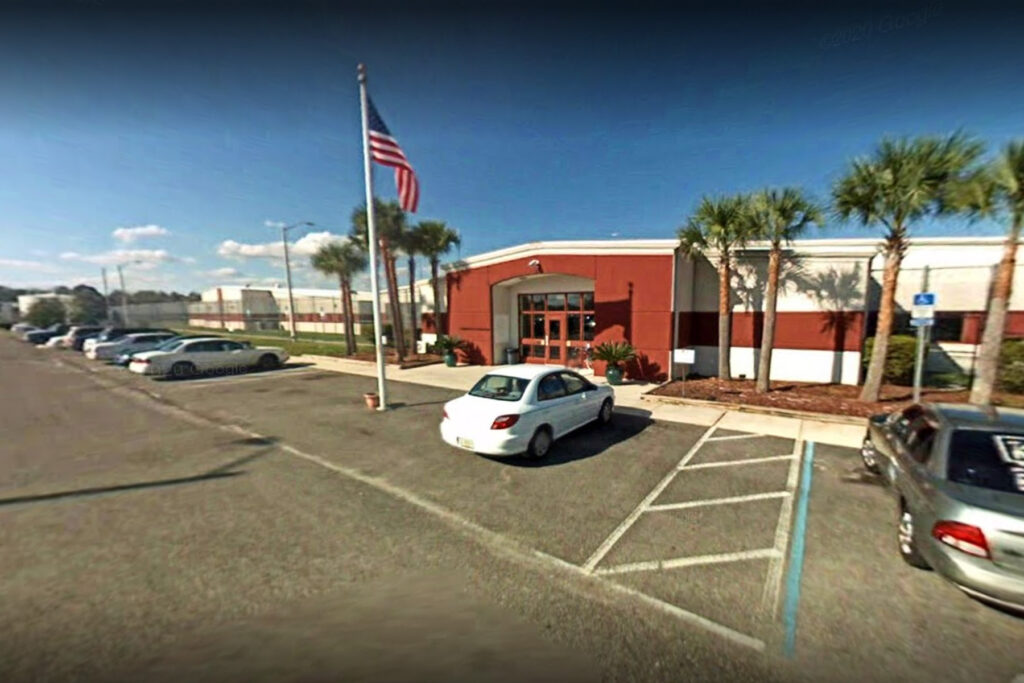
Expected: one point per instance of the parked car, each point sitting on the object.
(77, 335)
(957, 472)
(113, 333)
(44, 335)
(139, 341)
(523, 409)
(55, 342)
(193, 356)
(20, 329)
(125, 357)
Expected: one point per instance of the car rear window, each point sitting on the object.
(500, 387)
(990, 460)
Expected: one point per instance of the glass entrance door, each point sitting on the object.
(556, 328)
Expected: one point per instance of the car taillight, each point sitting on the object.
(140, 360)
(964, 537)
(444, 414)
(504, 422)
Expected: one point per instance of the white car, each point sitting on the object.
(192, 356)
(140, 341)
(57, 342)
(523, 409)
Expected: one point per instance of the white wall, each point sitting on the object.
(795, 365)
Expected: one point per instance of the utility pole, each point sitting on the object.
(106, 296)
(124, 296)
(288, 275)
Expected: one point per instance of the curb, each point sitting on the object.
(743, 408)
(407, 366)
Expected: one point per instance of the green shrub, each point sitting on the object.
(1011, 366)
(899, 361)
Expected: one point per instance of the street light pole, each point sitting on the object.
(124, 296)
(288, 275)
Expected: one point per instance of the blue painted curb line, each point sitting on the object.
(796, 554)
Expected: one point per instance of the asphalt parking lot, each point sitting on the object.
(254, 513)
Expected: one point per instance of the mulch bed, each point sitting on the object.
(835, 399)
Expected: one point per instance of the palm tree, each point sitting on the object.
(436, 240)
(390, 226)
(904, 181)
(779, 217)
(412, 246)
(995, 190)
(344, 259)
(718, 225)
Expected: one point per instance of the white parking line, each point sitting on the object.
(623, 527)
(773, 582)
(693, 561)
(736, 436)
(240, 378)
(718, 501)
(746, 461)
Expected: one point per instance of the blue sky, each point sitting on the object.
(202, 126)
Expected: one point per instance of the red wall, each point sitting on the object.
(632, 302)
(793, 329)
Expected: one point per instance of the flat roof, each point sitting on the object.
(842, 246)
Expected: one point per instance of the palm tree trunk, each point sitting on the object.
(412, 301)
(396, 311)
(436, 284)
(995, 321)
(764, 364)
(350, 324)
(886, 309)
(345, 314)
(724, 326)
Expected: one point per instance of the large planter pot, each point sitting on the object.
(613, 373)
(372, 400)
(450, 360)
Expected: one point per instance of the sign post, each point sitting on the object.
(922, 317)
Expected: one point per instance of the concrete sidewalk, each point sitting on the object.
(628, 398)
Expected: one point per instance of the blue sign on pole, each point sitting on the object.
(924, 299)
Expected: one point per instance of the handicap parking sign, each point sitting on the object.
(924, 299)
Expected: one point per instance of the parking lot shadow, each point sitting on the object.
(590, 440)
(232, 372)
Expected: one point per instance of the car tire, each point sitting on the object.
(182, 369)
(905, 539)
(268, 361)
(540, 444)
(604, 416)
(869, 456)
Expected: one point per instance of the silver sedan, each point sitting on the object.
(957, 472)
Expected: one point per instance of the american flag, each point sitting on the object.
(384, 149)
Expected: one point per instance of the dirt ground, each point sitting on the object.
(836, 399)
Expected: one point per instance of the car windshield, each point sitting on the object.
(500, 387)
(990, 460)
(171, 345)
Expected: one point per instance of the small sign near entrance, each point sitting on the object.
(923, 312)
(684, 356)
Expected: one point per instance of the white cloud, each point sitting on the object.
(144, 258)
(305, 246)
(27, 265)
(128, 235)
(224, 272)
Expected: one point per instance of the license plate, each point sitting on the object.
(464, 443)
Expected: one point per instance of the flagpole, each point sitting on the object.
(371, 239)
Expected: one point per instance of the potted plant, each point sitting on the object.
(447, 346)
(615, 354)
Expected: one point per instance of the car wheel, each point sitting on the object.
(540, 444)
(183, 369)
(905, 539)
(269, 362)
(869, 456)
(604, 416)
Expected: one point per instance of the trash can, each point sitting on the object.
(512, 355)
